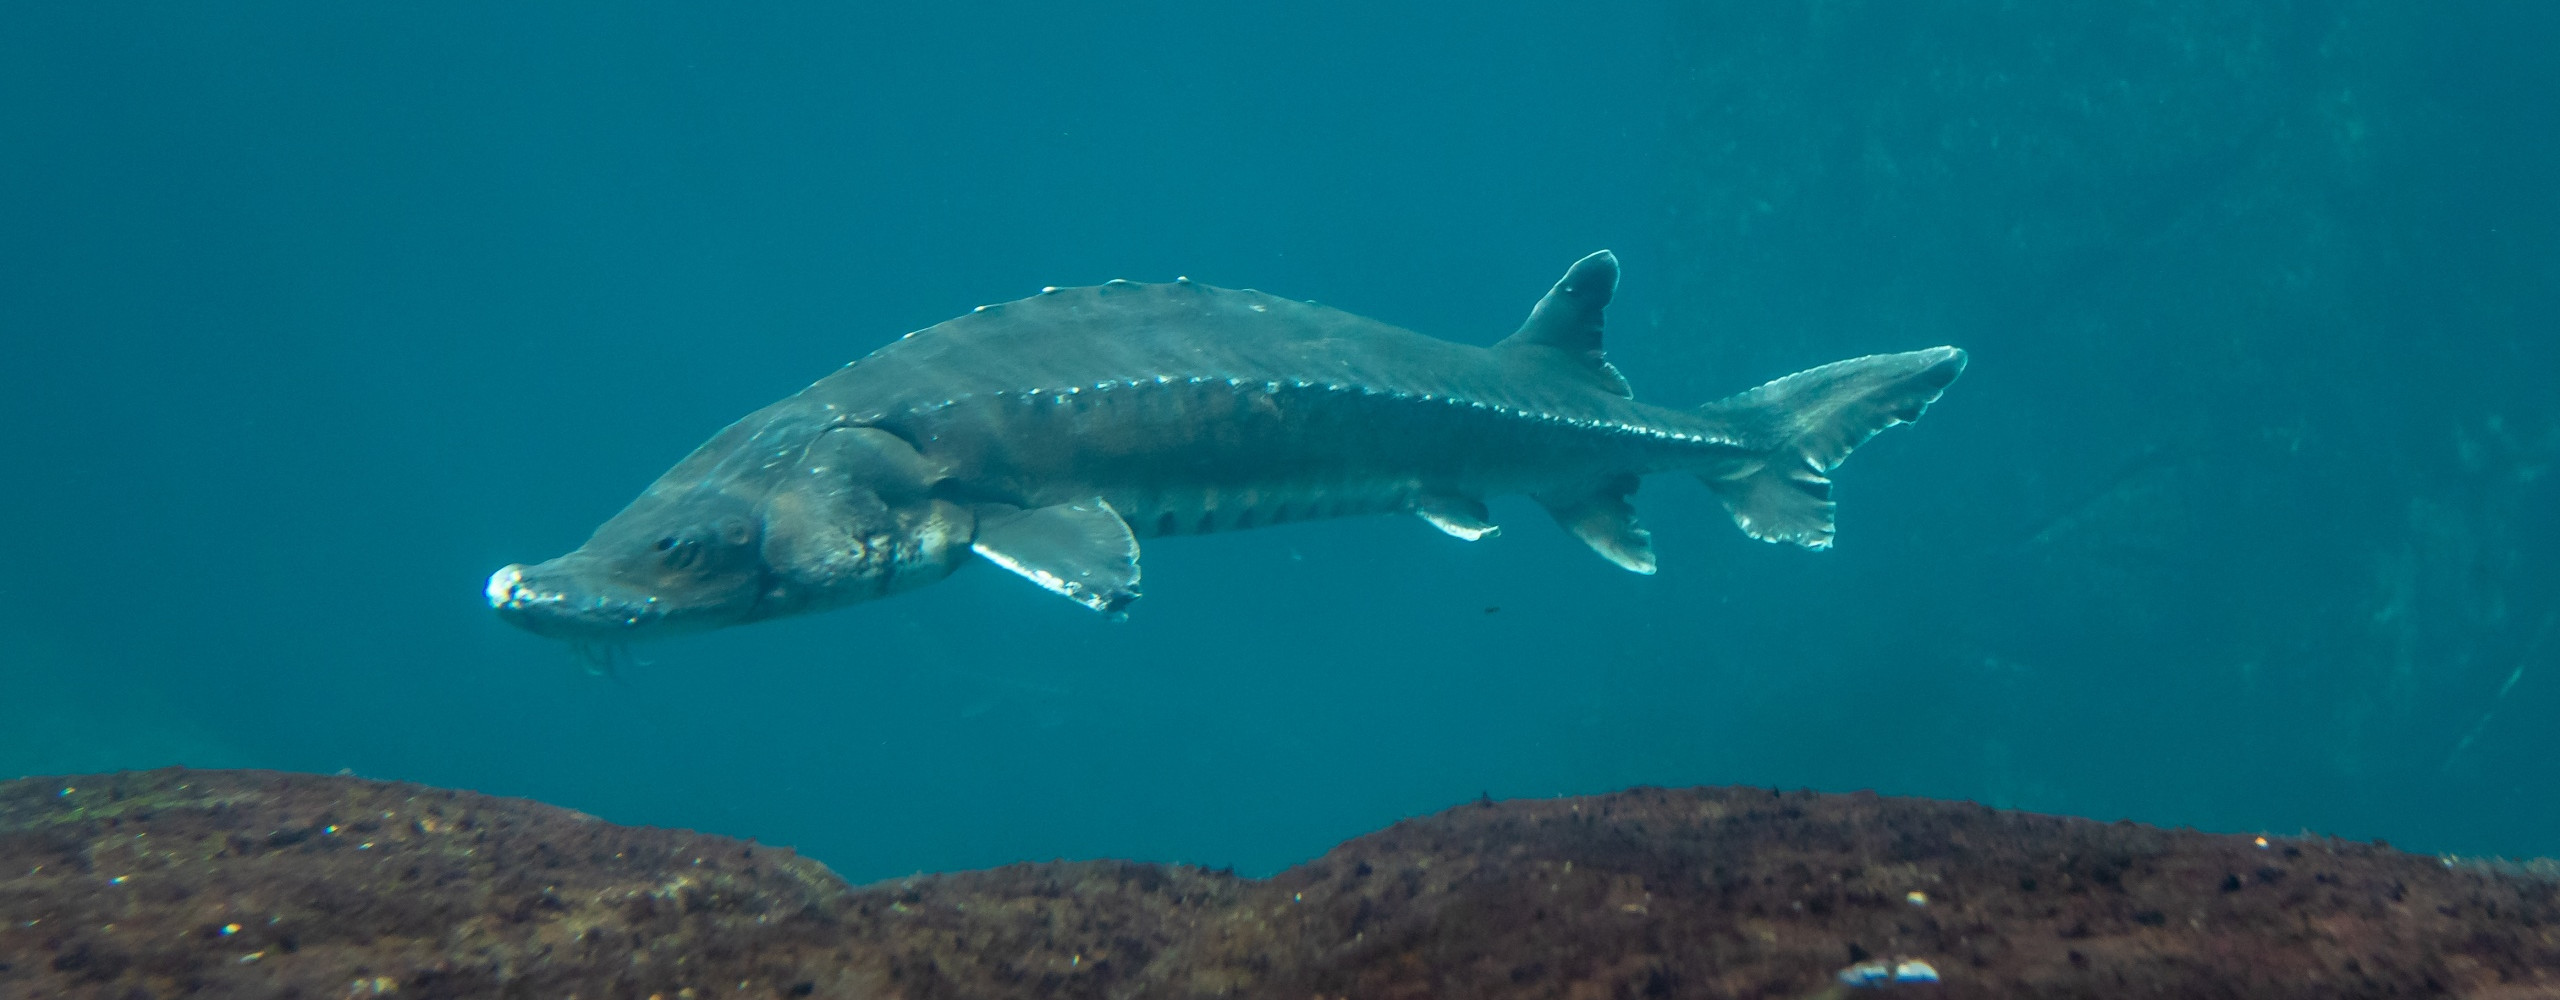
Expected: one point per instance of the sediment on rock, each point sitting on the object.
(260, 884)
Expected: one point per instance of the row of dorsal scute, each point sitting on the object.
(1115, 284)
(1064, 395)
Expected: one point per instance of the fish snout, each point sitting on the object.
(547, 600)
(503, 585)
(521, 604)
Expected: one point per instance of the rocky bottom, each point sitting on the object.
(260, 884)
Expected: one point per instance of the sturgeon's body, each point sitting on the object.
(1193, 409)
(1047, 434)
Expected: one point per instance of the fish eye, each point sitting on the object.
(681, 553)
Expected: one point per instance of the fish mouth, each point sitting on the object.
(528, 598)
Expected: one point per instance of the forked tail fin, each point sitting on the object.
(1807, 422)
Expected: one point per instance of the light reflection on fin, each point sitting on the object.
(1082, 550)
(1461, 517)
(1603, 519)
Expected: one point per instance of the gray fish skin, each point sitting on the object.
(1049, 433)
(1194, 409)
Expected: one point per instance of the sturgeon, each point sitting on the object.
(1047, 435)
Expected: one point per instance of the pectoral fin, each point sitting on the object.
(1082, 550)
(1604, 520)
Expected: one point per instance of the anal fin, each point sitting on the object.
(1461, 517)
(1083, 551)
(1604, 520)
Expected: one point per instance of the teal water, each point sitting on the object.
(311, 316)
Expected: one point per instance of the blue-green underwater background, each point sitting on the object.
(2245, 517)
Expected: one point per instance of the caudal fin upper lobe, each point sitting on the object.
(1806, 423)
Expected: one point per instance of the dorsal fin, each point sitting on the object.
(1567, 320)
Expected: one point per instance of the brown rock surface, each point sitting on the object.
(259, 884)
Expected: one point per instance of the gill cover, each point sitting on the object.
(859, 520)
(856, 520)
